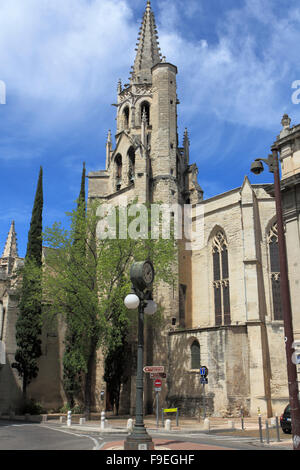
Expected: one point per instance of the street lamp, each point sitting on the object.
(257, 167)
(142, 276)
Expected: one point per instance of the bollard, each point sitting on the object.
(273, 422)
(267, 432)
(102, 420)
(61, 419)
(231, 424)
(277, 429)
(44, 418)
(260, 429)
(207, 424)
(82, 421)
(130, 424)
(69, 418)
(242, 418)
(168, 425)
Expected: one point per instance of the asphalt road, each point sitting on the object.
(16, 436)
(28, 436)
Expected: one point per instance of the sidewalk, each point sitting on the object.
(117, 425)
(217, 426)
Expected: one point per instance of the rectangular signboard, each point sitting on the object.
(155, 369)
(161, 375)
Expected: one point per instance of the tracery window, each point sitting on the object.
(126, 117)
(221, 279)
(118, 163)
(195, 355)
(131, 170)
(145, 107)
(272, 240)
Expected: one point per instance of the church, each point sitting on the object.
(225, 310)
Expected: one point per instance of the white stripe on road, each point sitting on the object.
(97, 444)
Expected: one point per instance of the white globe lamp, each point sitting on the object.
(131, 301)
(150, 308)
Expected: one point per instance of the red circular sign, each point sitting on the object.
(157, 383)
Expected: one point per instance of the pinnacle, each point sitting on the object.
(148, 51)
(11, 250)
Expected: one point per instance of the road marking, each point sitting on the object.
(97, 444)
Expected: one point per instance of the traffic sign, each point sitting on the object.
(157, 383)
(203, 380)
(203, 371)
(155, 369)
(161, 375)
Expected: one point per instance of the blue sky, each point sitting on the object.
(61, 61)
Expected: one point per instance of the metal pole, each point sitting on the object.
(260, 429)
(162, 417)
(277, 429)
(177, 418)
(242, 419)
(267, 432)
(139, 439)
(204, 404)
(157, 417)
(287, 311)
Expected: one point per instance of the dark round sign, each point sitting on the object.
(203, 371)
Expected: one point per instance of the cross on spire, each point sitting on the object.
(148, 51)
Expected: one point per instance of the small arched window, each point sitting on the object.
(145, 107)
(195, 355)
(118, 165)
(2, 320)
(126, 117)
(221, 279)
(131, 164)
(272, 240)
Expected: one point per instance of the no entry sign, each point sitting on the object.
(157, 383)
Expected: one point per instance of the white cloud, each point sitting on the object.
(57, 57)
(64, 50)
(246, 77)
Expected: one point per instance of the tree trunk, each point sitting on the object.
(88, 380)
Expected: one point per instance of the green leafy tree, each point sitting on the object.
(72, 360)
(29, 322)
(90, 284)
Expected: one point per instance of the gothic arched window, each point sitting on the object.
(221, 279)
(126, 117)
(118, 164)
(272, 240)
(145, 107)
(131, 166)
(195, 355)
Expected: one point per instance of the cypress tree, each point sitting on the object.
(29, 323)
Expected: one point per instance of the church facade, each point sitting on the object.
(225, 311)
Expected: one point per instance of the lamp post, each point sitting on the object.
(142, 275)
(257, 168)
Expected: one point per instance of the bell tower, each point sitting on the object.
(148, 164)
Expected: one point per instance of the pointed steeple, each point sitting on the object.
(148, 51)
(11, 250)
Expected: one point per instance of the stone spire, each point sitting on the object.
(11, 250)
(148, 51)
